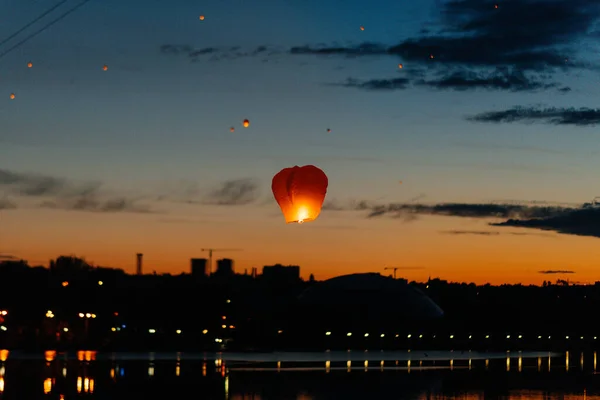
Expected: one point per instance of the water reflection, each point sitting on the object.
(158, 377)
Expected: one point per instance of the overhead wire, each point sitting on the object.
(43, 28)
(42, 15)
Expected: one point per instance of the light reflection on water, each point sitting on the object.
(520, 376)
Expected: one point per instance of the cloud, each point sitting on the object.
(216, 53)
(38, 185)
(363, 49)
(496, 146)
(473, 44)
(493, 233)
(556, 116)
(529, 34)
(464, 210)
(61, 193)
(458, 232)
(233, 192)
(583, 222)
(500, 79)
(93, 204)
(375, 84)
(6, 204)
(461, 80)
(556, 271)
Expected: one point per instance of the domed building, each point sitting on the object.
(363, 310)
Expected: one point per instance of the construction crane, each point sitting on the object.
(210, 253)
(397, 268)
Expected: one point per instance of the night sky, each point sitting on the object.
(490, 125)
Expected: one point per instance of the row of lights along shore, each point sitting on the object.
(50, 314)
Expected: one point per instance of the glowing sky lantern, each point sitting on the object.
(495, 5)
(12, 96)
(29, 64)
(300, 192)
(201, 18)
(328, 130)
(431, 56)
(362, 28)
(246, 123)
(400, 66)
(232, 129)
(105, 67)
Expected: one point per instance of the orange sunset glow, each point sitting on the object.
(339, 242)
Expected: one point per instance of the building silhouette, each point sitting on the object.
(198, 267)
(225, 268)
(139, 260)
(281, 274)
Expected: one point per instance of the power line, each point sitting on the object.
(42, 29)
(48, 11)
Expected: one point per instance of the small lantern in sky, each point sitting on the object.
(201, 18)
(400, 66)
(12, 96)
(29, 64)
(246, 123)
(105, 67)
(300, 192)
(232, 129)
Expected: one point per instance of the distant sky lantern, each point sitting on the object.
(29, 64)
(12, 96)
(328, 130)
(400, 66)
(201, 18)
(246, 123)
(300, 192)
(105, 67)
(431, 56)
(362, 28)
(232, 129)
(495, 5)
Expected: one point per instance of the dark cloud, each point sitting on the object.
(216, 53)
(458, 232)
(234, 192)
(529, 34)
(493, 233)
(473, 39)
(557, 116)
(376, 84)
(582, 222)
(461, 80)
(556, 271)
(466, 210)
(64, 194)
(496, 146)
(6, 204)
(500, 79)
(38, 185)
(93, 204)
(363, 49)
